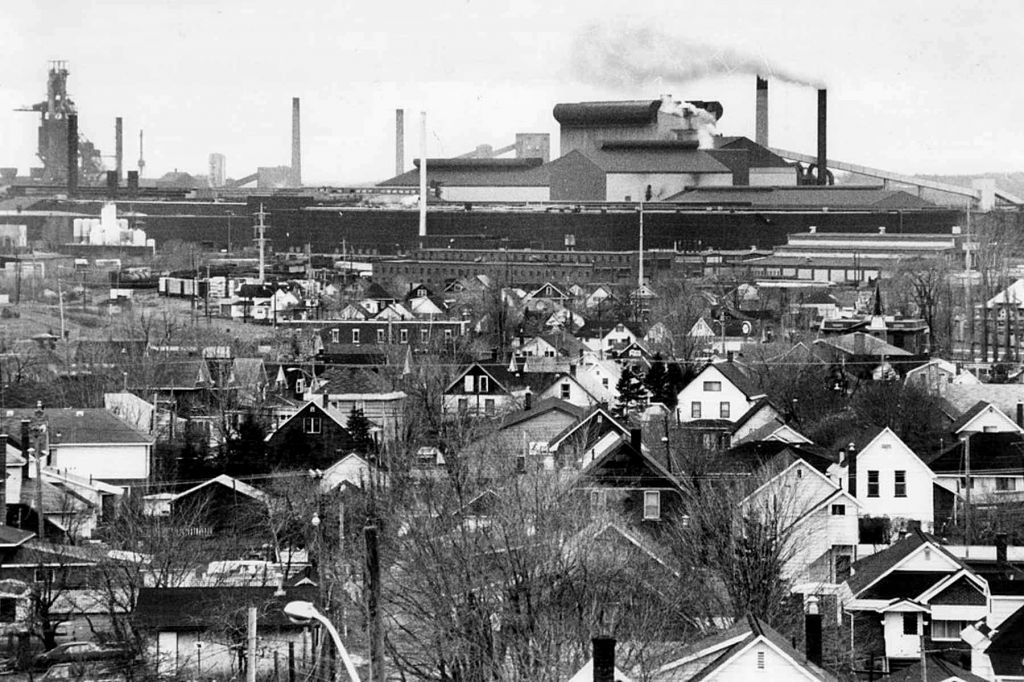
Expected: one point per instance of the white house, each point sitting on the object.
(747, 651)
(89, 442)
(820, 517)
(352, 469)
(890, 480)
(720, 391)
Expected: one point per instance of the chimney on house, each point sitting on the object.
(636, 438)
(1020, 414)
(851, 469)
(26, 443)
(813, 630)
(728, 356)
(604, 658)
(528, 401)
(1001, 547)
(572, 372)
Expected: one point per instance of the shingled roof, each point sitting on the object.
(199, 608)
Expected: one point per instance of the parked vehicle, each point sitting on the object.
(78, 652)
(87, 671)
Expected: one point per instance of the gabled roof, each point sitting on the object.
(540, 408)
(735, 375)
(322, 412)
(377, 292)
(1005, 650)
(848, 343)
(979, 408)
(592, 471)
(69, 425)
(13, 537)
(499, 375)
(990, 453)
(872, 569)
(753, 455)
(722, 648)
(936, 669)
(596, 413)
(228, 482)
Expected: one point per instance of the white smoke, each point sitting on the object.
(701, 121)
(623, 56)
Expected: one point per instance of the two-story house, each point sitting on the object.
(889, 479)
(721, 390)
(312, 437)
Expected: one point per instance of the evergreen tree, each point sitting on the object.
(660, 383)
(247, 451)
(633, 395)
(359, 428)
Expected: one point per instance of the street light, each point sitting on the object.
(302, 612)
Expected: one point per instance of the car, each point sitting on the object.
(84, 671)
(77, 652)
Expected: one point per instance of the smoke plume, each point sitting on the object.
(624, 56)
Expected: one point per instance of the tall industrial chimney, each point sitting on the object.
(822, 134)
(296, 145)
(423, 174)
(399, 141)
(72, 153)
(119, 147)
(761, 113)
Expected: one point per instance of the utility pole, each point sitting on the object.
(39, 431)
(261, 240)
(967, 484)
(250, 649)
(373, 590)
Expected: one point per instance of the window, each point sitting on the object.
(712, 385)
(335, 335)
(1005, 484)
(760, 660)
(838, 510)
(463, 405)
(403, 336)
(311, 425)
(597, 500)
(43, 575)
(447, 334)
(380, 336)
(710, 441)
(652, 505)
(355, 336)
(424, 334)
(695, 410)
(900, 487)
(948, 629)
(300, 385)
(8, 610)
(565, 391)
(723, 410)
(483, 384)
(468, 383)
(604, 382)
(489, 407)
(910, 623)
(842, 568)
(872, 484)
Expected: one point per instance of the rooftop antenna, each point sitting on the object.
(142, 160)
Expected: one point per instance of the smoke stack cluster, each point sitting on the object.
(399, 141)
(296, 144)
(761, 113)
(822, 136)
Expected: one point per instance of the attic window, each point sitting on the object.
(484, 384)
(403, 335)
(335, 335)
(355, 336)
(312, 425)
(652, 505)
(712, 385)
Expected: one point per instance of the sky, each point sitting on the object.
(914, 86)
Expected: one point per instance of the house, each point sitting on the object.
(889, 480)
(934, 669)
(352, 470)
(996, 473)
(312, 437)
(89, 442)
(961, 398)
(722, 390)
(579, 444)
(865, 354)
(602, 337)
(201, 630)
(480, 390)
(221, 507)
(600, 377)
(750, 649)
(627, 482)
(820, 518)
(935, 375)
(566, 386)
(913, 593)
(602, 665)
(528, 433)
(343, 389)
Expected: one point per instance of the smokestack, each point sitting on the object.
(822, 135)
(604, 659)
(119, 147)
(296, 144)
(72, 153)
(423, 174)
(761, 113)
(399, 141)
